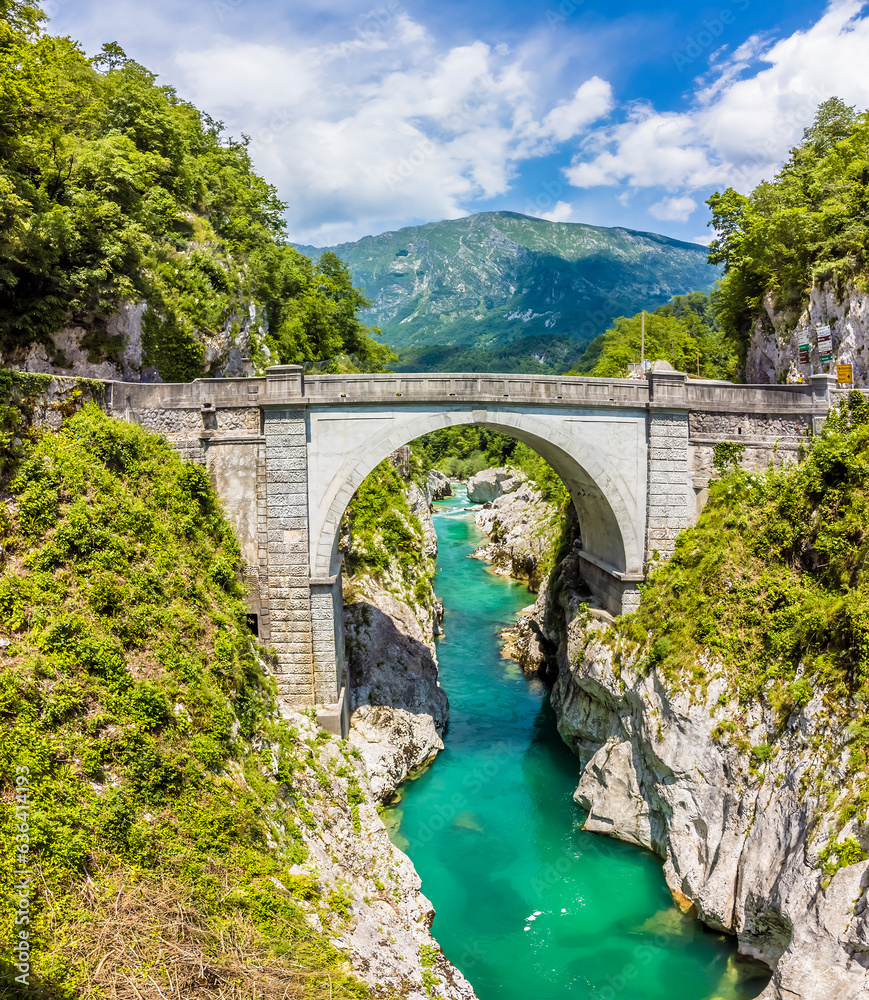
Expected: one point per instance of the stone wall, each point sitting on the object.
(667, 497)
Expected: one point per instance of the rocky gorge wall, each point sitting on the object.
(752, 843)
(740, 839)
(117, 352)
(676, 770)
(383, 921)
(398, 715)
(776, 336)
(398, 711)
(521, 524)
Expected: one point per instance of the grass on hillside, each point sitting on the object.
(773, 582)
(386, 539)
(165, 803)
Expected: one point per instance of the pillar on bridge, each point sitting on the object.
(669, 478)
(305, 614)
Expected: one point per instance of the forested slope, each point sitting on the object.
(182, 837)
(115, 192)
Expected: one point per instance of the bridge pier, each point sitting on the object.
(669, 489)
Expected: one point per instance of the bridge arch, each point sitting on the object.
(286, 452)
(605, 501)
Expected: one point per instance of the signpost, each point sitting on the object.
(805, 354)
(845, 374)
(825, 345)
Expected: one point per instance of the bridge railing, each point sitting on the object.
(287, 384)
(732, 398)
(485, 388)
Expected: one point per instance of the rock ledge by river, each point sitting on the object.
(740, 843)
(398, 710)
(388, 919)
(522, 527)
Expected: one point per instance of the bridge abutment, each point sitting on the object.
(669, 478)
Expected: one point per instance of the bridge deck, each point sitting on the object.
(285, 385)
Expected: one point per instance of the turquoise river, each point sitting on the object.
(528, 905)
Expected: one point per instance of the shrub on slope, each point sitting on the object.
(773, 578)
(770, 590)
(163, 816)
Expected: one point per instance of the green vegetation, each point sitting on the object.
(385, 537)
(463, 451)
(492, 279)
(727, 455)
(840, 854)
(429, 956)
(773, 583)
(809, 224)
(772, 579)
(685, 332)
(164, 793)
(115, 190)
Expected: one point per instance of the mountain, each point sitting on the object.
(495, 278)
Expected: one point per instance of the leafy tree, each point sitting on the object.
(684, 332)
(811, 223)
(113, 189)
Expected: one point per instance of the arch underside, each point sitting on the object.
(601, 462)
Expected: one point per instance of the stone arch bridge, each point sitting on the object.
(286, 452)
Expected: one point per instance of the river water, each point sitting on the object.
(528, 905)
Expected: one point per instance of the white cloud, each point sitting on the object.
(383, 126)
(591, 101)
(673, 209)
(739, 128)
(561, 213)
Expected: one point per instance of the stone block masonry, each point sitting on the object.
(286, 452)
(669, 497)
(283, 535)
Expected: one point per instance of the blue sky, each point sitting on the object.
(372, 117)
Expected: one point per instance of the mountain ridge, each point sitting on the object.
(489, 279)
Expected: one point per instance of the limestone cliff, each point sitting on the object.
(398, 710)
(523, 530)
(118, 354)
(776, 336)
(384, 921)
(740, 839)
(747, 837)
(521, 524)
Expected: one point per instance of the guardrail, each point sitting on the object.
(462, 388)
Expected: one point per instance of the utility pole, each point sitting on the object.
(643, 344)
